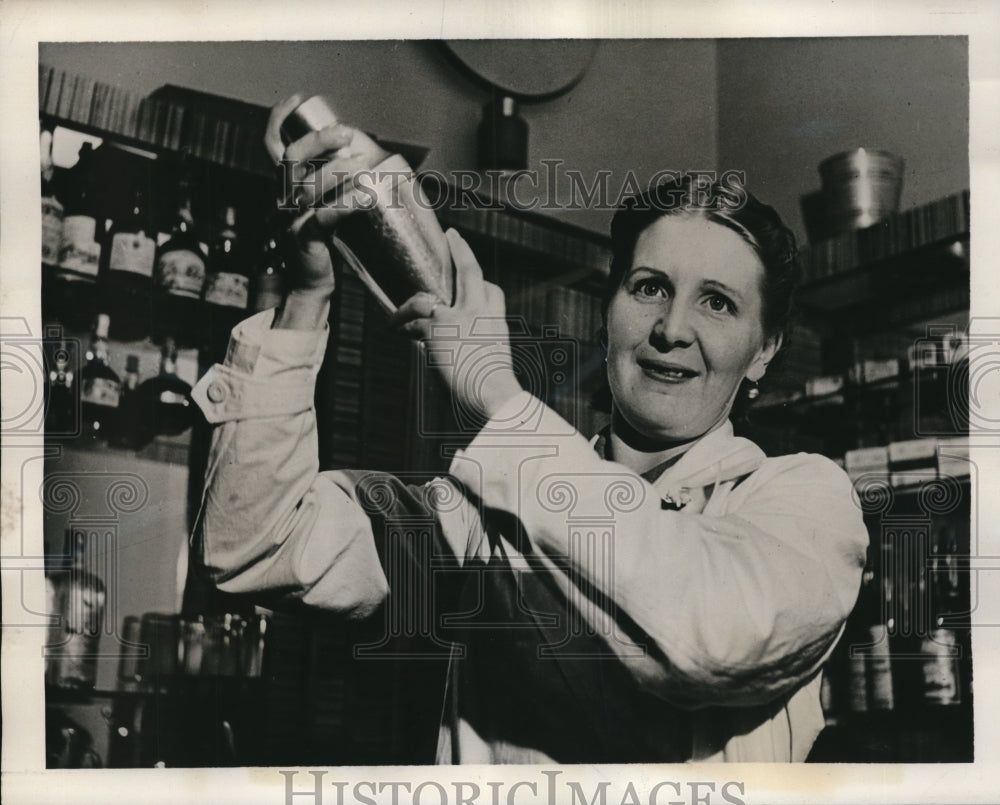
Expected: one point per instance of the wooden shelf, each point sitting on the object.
(913, 286)
(909, 267)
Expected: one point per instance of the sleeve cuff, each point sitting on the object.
(523, 416)
(524, 429)
(258, 348)
(267, 372)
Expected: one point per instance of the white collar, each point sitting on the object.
(716, 457)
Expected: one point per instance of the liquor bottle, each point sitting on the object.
(905, 617)
(79, 597)
(881, 631)
(100, 386)
(268, 283)
(52, 208)
(857, 639)
(125, 432)
(164, 402)
(61, 410)
(179, 277)
(227, 284)
(941, 650)
(79, 250)
(69, 288)
(128, 269)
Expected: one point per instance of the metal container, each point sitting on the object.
(860, 187)
(393, 240)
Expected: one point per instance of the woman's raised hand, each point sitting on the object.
(469, 342)
(315, 166)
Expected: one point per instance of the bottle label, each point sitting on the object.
(132, 252)
(940, 668)
(880, 682)
(230, 290)
(52, 227)
(79, 252)
(880, 693)
(100, 391)
(172, 398)
(181, 272)
(857, 693)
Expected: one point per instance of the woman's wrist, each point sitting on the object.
(303, 310)
(498, 390)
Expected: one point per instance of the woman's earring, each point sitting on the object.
(754, 391)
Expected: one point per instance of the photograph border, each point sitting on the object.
(24, 23)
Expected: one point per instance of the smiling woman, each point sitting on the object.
(663, 592)
(696, 304)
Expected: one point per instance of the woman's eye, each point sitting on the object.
(649, 287)
(721, 304)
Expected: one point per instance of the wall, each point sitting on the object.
(643, 105)
(785, 104)
(154, 536)
(772, 107)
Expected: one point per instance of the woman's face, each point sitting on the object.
(684, 328)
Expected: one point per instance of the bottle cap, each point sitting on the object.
(312, 114)
(102, 325)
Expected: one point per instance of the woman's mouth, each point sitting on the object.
(666, 372)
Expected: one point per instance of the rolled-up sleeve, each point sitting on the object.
(736, 608)
(270, 521)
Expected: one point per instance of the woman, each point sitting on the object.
(665, 592)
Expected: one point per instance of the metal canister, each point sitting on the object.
(860, 187)
(392, 240)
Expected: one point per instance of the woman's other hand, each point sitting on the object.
(468, 343)
(317, 165)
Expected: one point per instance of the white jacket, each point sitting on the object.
(717, 591)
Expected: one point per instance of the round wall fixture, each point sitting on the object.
(525, 69)
(513, 71)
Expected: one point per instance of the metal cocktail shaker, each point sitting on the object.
(392, 240)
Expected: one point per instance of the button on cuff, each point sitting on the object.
(224, 395)
(217, 391)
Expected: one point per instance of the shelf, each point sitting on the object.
(923, 284)
(911, 266)
(837, 398)
(902, 234)
(849, 413)
(162, 449)
(173, 685)
(528, 231)
(173, 120)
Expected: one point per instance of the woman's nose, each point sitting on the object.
(673, 327)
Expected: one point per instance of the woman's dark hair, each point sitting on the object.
(730, 204)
